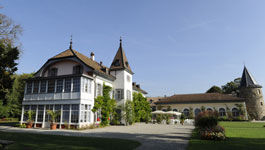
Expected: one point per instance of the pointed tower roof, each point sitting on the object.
(247, 80)
(120, 61)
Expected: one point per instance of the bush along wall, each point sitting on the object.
(207, 127)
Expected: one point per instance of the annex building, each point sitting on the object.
(249, 99)
(70, 81)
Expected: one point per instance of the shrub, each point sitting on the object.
(206, 119)
(207, 126)
(159, 118)
(167, 119)
(214, 133)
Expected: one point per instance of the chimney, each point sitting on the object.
(134, 83)
(100, 63)
(138, 85)
(92, 56)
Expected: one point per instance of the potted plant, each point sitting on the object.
(53, 115)
(29, 121)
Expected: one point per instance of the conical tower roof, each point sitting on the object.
(247, 80)
(120, 61)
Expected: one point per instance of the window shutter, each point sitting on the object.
(122, 93)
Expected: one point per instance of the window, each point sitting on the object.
(89, 86)
(43, 86)
(209, 109)
(186, 112)
(164, 110)
(175, 110)
(34, 108)
(40, 113)
(52, 72)
(51, 86)
(67, 85)
(36, 87)
(66, 111)
(26, 109)
(77, 69)
(59, 86)
(75, 113)
(119, 94)
(261, 103)
(99, 90)
(222, 112)
(128, 78)
(58, 108)
(128, 92)
(235, 112)
(29, 87)
(197, 111)
(76, 84)
(48, 117)
(117, 62)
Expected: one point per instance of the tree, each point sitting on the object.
(8, 66)
(9, 54)
(105, 105)
(9, 31)
(214, 89)
(142, 109)
(16, 94)
(129, 112)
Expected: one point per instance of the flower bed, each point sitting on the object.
(207, 126)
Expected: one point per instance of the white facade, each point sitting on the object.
(69, 83)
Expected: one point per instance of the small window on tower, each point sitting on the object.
(261, 103)
(117, 62)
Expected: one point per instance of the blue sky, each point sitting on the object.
(173, 47)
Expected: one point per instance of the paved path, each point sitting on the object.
(151, 136)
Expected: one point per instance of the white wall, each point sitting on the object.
(64, 67)
(121, 82)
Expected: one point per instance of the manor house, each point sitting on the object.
(70, 81)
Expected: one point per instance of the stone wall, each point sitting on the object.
(254, 102)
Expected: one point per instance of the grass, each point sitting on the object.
(241, 135)
(46, 142)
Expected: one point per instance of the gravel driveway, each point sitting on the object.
(151, 136)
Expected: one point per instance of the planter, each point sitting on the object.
(53, 126)
(29, 125)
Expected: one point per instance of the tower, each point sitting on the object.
(252, 93)
(121, 69)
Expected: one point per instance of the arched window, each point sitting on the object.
(175, 110)
(235, 112)
(197, 111)
(222, 112)
(209, 109)
(186, 112)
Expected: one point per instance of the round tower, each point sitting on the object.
(252, 93)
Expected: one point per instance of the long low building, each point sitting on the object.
(249, 99)
(196, 102)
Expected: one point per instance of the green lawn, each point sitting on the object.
(241, 135)
(37, 141)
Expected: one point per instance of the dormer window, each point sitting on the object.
(52, 72)
(117, 62)
(77, 69)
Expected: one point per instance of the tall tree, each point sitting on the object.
(16, 94)
(8, 66)
(142, 109)
(214, 89)
(9, 32)
(232, 87)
